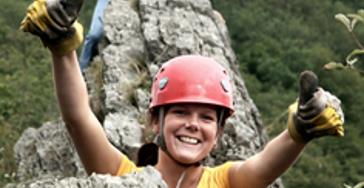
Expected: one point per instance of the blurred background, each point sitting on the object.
(274, 41)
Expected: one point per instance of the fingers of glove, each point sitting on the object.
(295, 134)
(297, 129)
(331, 128)
(64, 12)
(58, 14)
(328, 122)
(31, 18)
(334, 131)
(24, 25)
(72, 7)
(46, 33)
(37, 14)
(296, 126)
(314, 106)
(52, 28)
(33, 28)
(318, 103)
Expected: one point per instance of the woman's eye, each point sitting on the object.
(208, 118)
(180, 112)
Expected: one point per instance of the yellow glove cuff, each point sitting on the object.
(68, 44)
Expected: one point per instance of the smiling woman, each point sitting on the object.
(191, 99)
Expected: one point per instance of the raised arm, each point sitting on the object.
(263, 168)
(93, 147)
(316, 114)
(54, 22)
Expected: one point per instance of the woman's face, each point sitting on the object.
(190, 131)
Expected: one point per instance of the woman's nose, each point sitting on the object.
(192, 123)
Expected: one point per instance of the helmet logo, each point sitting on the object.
(225, 85)
(163, 83)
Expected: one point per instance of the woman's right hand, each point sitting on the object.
(54, 21)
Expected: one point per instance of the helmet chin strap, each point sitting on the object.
(220, 121)
(160, 137)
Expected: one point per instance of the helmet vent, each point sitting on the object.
(225, 85)
(163, 83)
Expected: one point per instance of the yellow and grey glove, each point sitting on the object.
(317, 113)
(54, 21)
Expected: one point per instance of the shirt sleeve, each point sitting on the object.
(126, 166)
(217, 177)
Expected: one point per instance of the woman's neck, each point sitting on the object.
(177, 175)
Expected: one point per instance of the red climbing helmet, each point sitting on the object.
(192, 79)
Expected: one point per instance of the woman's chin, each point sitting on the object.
(188, 158)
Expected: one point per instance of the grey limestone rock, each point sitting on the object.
(147, 178)
(47, 151)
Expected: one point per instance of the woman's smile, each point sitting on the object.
(188, 140)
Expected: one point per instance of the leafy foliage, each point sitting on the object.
(350, 21)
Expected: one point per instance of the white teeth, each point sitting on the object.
(188, 140)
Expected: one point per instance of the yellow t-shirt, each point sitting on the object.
(216, 177)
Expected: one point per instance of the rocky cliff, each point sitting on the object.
(139, 36)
